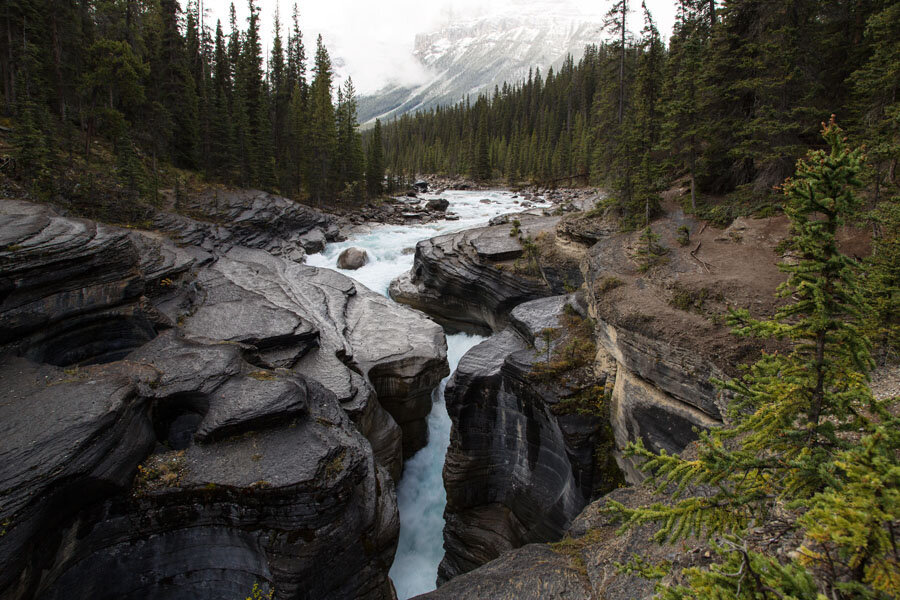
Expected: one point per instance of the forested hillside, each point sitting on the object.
(737, 96)
(103, 98)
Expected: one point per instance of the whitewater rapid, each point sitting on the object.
(420, 493)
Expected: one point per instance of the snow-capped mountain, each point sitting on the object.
(469, 57)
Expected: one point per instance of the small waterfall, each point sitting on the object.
(420, 493)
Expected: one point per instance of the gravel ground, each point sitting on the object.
(886, 382)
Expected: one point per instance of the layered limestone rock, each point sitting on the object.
(470, 280)
(522, 458)
(224, 219)
(661, 341)
(324, 325)
(244, 385)
(662, 331)
(582, 566)
(283, 490)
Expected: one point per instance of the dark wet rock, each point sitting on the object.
(299, 482)
(63, 447)
(438, 204)
(421, 186)
(352, 259)
(322, 324)
(533, 572)
(255, 402)
(520, 466)
(224, 219)
(457, 280)
(313, 241)
(582, 567)
(72, 290)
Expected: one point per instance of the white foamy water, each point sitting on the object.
(385, 243)
(420, 493)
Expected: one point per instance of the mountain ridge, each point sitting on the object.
(470, 57)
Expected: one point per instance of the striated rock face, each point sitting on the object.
(324, 325)
(469, 280)
(582, 567)
(521, 463)
(661, 332)
(659, 341)
(247, 387)
(228, 218)
(74, 291)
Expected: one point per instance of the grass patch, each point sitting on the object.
(607, 284)
(262, 375)
(160, 471)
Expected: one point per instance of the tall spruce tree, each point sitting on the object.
(222, 147)
(351, 161)
(684, 117)
(174, 87)
(375, 162)
(877, 94)
(321, 133)
(805, 437)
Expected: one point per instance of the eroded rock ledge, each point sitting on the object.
(661, 340)
(219, 220)
(471, 280)
(244, 385)
(524, 459)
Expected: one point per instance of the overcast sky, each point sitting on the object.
(374, 38)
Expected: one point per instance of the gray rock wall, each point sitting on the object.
(183, 424)
(517, 470)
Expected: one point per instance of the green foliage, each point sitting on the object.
(684, 235)
(805, 434)
(150, 85)
(649, 252)
(33, 145)
(375, 162)
(882, 280)
(258, 593)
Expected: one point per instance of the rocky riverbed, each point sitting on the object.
(190, 411)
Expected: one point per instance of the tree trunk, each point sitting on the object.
(57, 66)
(9, 82)
(622, 64)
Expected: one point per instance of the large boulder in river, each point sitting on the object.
(352, 259)
(246, 386)
(438, 204)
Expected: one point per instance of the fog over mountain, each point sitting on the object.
(470, 56)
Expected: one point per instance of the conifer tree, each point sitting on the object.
(349, 146)
(793, 440)
(221, 126)
(683, 122)
(375, 162)
(322, 133)
(174, 87)
(280, 105)
(298, 120)
(877, 92)
(259, 160)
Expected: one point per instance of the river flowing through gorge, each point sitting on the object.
(420, 492)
